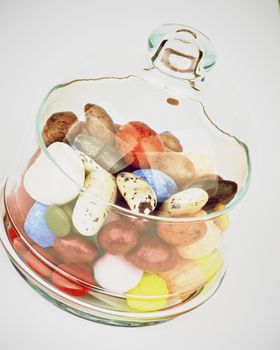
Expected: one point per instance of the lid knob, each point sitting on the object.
(181, 51)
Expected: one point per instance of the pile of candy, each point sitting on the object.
(70, 209)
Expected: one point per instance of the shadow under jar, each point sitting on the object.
(118, 214)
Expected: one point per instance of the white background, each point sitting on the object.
(45, 42)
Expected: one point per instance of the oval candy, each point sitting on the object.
(58, 221)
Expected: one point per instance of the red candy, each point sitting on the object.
(37, 265)
(78, 288)
(140, 144)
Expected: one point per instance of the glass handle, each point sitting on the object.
(181, 51)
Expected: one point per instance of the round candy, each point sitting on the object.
(150, 294)
(78, 282)
(153, 255)
(208, 243)
(118, 237)
(47, 183)
(36, 227)
(140, 144)
(58, 221)
(181, 233)
(116, 274)
(76, 249)
(161, 183)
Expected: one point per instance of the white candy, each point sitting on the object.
(57, 180)
(138, 194)
(184, 203)
(92, 206)
(208, 243)
(116, 274)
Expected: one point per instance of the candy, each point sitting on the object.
(218, 189)
(76, 249)
(47, 253)
(161, 183)
(78, 280)
(57, 127)
(175, 165)
(116, 274)
(138, 194)
(37, 265)
(58, 221)
(104, 154)
(47, 183)
(170, 141)
(208, 243)
(118, 237)
(140, 144)
(185, 277)
(150, 294)
(99, 123)
(92, 206)
(222, 221)
(184, 203)
(36, 226)
(153, 255)
(181, 233)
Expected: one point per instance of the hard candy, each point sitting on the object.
(36, 227)
(116, 274)
(208, 243)
(57, 180)
(118, 237)
(58, 221)
(75, 280)
(139, 143)
(138, 194)
(150, 294)
(75, 249)
(161, 183)
(184, 203)
(153, 255)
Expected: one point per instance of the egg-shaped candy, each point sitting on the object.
(58, 221)
(150, 294)
(116, 274)
(57, 180)
(161, 183)
(153, 255)
(36, 227)
(184, 203)
(118, 237)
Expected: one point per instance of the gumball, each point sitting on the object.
(139, 143)
(153, 255)
(116, 274)
(75, 249)
(78, 280)
(36, 227)
(118, 237)
(150, 294)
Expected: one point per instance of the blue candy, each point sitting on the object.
(36, 227)
(161, 183)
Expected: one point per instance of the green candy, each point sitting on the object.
(58, 221)
(68, 208)
(150, 294)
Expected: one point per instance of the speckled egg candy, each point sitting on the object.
(163, 185)
(36, 227)
(116, 274)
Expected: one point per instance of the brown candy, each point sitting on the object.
(57, 127)
(170, 141)
(153, 255)
(99, 123)
(181, 233)
(177, 166)
(218, 189)
(75, 249)
(118, 237)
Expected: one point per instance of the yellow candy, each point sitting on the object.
(150, 294)
(222, 221)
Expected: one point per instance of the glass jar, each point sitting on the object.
(119, 210)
